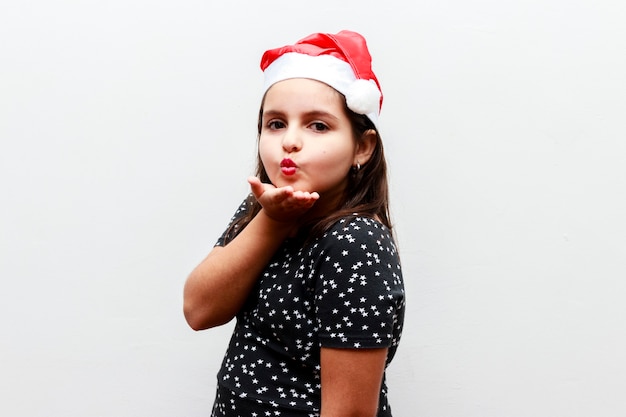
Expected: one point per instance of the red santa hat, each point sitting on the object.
(340, 60)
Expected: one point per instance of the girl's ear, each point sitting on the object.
(365, 147)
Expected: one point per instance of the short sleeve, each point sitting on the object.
(359, 293)
(232, 231)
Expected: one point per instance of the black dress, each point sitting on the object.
(342, 290)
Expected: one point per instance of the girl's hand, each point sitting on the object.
(282, 204)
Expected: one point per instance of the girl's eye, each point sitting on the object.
(275, 124)
(319, 127)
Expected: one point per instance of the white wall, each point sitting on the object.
(127, 131)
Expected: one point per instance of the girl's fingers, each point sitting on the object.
(304, 195)
(283, 199)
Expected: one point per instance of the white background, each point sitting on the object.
(127, 130)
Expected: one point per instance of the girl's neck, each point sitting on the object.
(325, 206)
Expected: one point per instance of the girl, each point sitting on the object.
(308, 265)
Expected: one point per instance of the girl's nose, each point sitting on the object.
(291, 140)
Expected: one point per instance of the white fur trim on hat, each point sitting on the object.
(362, 96)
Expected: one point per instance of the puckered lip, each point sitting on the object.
(287, 163)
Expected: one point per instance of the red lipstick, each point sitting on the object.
(288, 167)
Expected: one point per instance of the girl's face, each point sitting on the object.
(306, 139)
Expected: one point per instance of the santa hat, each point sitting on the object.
(340, 60)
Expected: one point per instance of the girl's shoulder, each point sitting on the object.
(359, 224)
(357, 230)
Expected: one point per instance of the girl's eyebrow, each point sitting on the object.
(272, 113)
(310, 114)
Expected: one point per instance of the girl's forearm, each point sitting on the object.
(217, 288)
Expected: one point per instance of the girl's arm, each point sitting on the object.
(217, 288)
(351, 380)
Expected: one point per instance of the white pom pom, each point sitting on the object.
(363, 97)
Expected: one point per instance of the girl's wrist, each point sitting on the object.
(283, 228)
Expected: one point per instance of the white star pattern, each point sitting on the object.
(343, 289)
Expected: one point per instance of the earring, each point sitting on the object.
(358, 167)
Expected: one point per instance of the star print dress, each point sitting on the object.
(342, 290)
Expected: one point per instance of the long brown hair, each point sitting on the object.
(366, 194)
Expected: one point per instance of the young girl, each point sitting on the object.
(308, 265)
